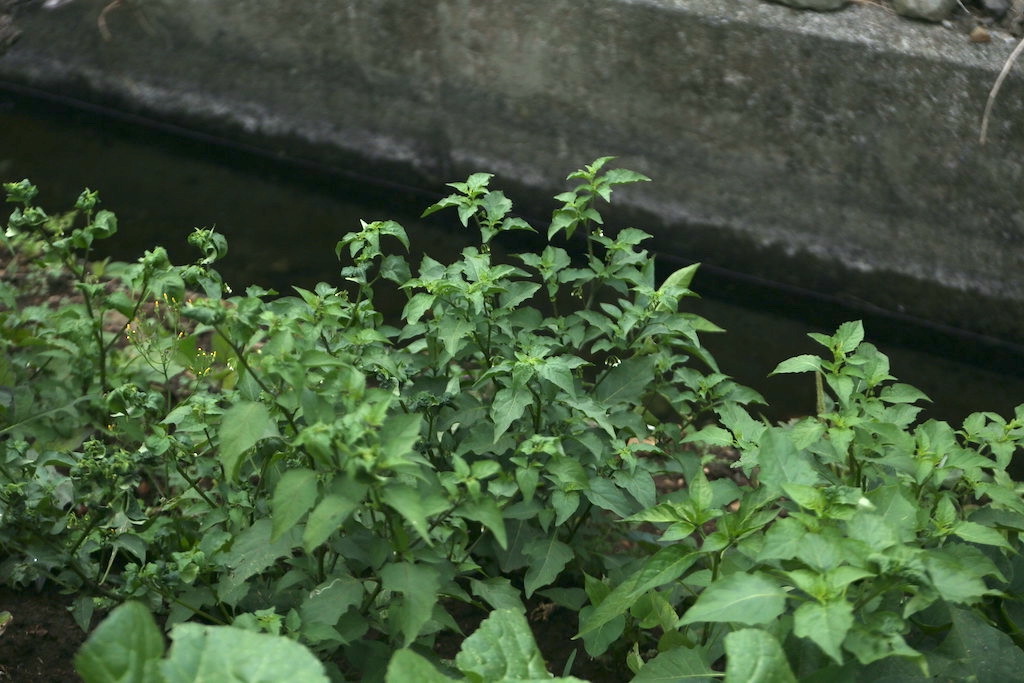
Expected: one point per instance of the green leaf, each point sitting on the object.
(243, 425)
(508, 406)
(663, 567)
(233, 655)
(679, 664)
(978, 533)
(680, 279)
(849, 336)
(549, 558)
(252, 551)
(406, 666)
(826, 624)
(502, 649)
(755, 656)
(744, 598)
(975, 651)
(487, 512)
(498, 592)
(413, 506)
(343, 496)
(804, 363)
(781, 462)
(398, 437)
(125, 648)
(418, 584)
(294, 495)
(627, 381)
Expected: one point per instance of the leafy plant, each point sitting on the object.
(865, 546)
(305, 467)
(128, 646)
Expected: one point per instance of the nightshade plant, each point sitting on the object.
(304, 467)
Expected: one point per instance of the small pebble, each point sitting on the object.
(980, 34)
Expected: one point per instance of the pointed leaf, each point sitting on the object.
(125, 647)
(744, 598)
(241, 427)
(826, 624)
(294, 495)
(549, 557)
(233, 655)
(755, 656)
(418, 584)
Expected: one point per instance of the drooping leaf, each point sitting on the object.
(294, 495)
(413, 506)
(678, 664)
(487, 512)
(755, 656)
(744, 598)
(125, 648)
(241, 427)
(343, 496)
(406, 665)
(233, 655)
(627, 381)
(418, 584)
(664, 566)
(826, 624)
(548, 558)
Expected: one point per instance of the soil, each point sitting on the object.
(40, 642)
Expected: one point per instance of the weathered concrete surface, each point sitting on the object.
(834, 151)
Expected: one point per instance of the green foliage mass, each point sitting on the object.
(278, 468)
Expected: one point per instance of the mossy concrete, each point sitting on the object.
(835, 151)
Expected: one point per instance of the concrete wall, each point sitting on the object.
(832, 151)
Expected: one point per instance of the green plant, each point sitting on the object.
(218, 456)
(864, 547)
(303, 466)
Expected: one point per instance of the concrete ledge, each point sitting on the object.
(832, 151)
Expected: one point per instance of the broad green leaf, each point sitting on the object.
(503, 650)
(418, 584)
(597, 641)
(826, 624)
(743, 598)
(252, 551)
(233, 655)
(978, 533)
(849, 335)
(781, 463)
(407, 666)
(804, 363)
(398, 436)
(663, 567)
(606, 495)
(343, 496)
(327, 602)
(975, 651)
(558, 371)
(679, 664)
(487, 512)
(549, 556)
(498, 592)
(413, 506)
(957, 572)
(680, 279)
(508, 406)
(241, 427)
(755, 656)
(452, 330)
(627, 381)
(125, 648)
(294, 495)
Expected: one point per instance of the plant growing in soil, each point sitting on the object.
(299, 466)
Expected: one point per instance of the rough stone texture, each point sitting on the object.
(836, 151)
(931, 10)
(820, 5)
